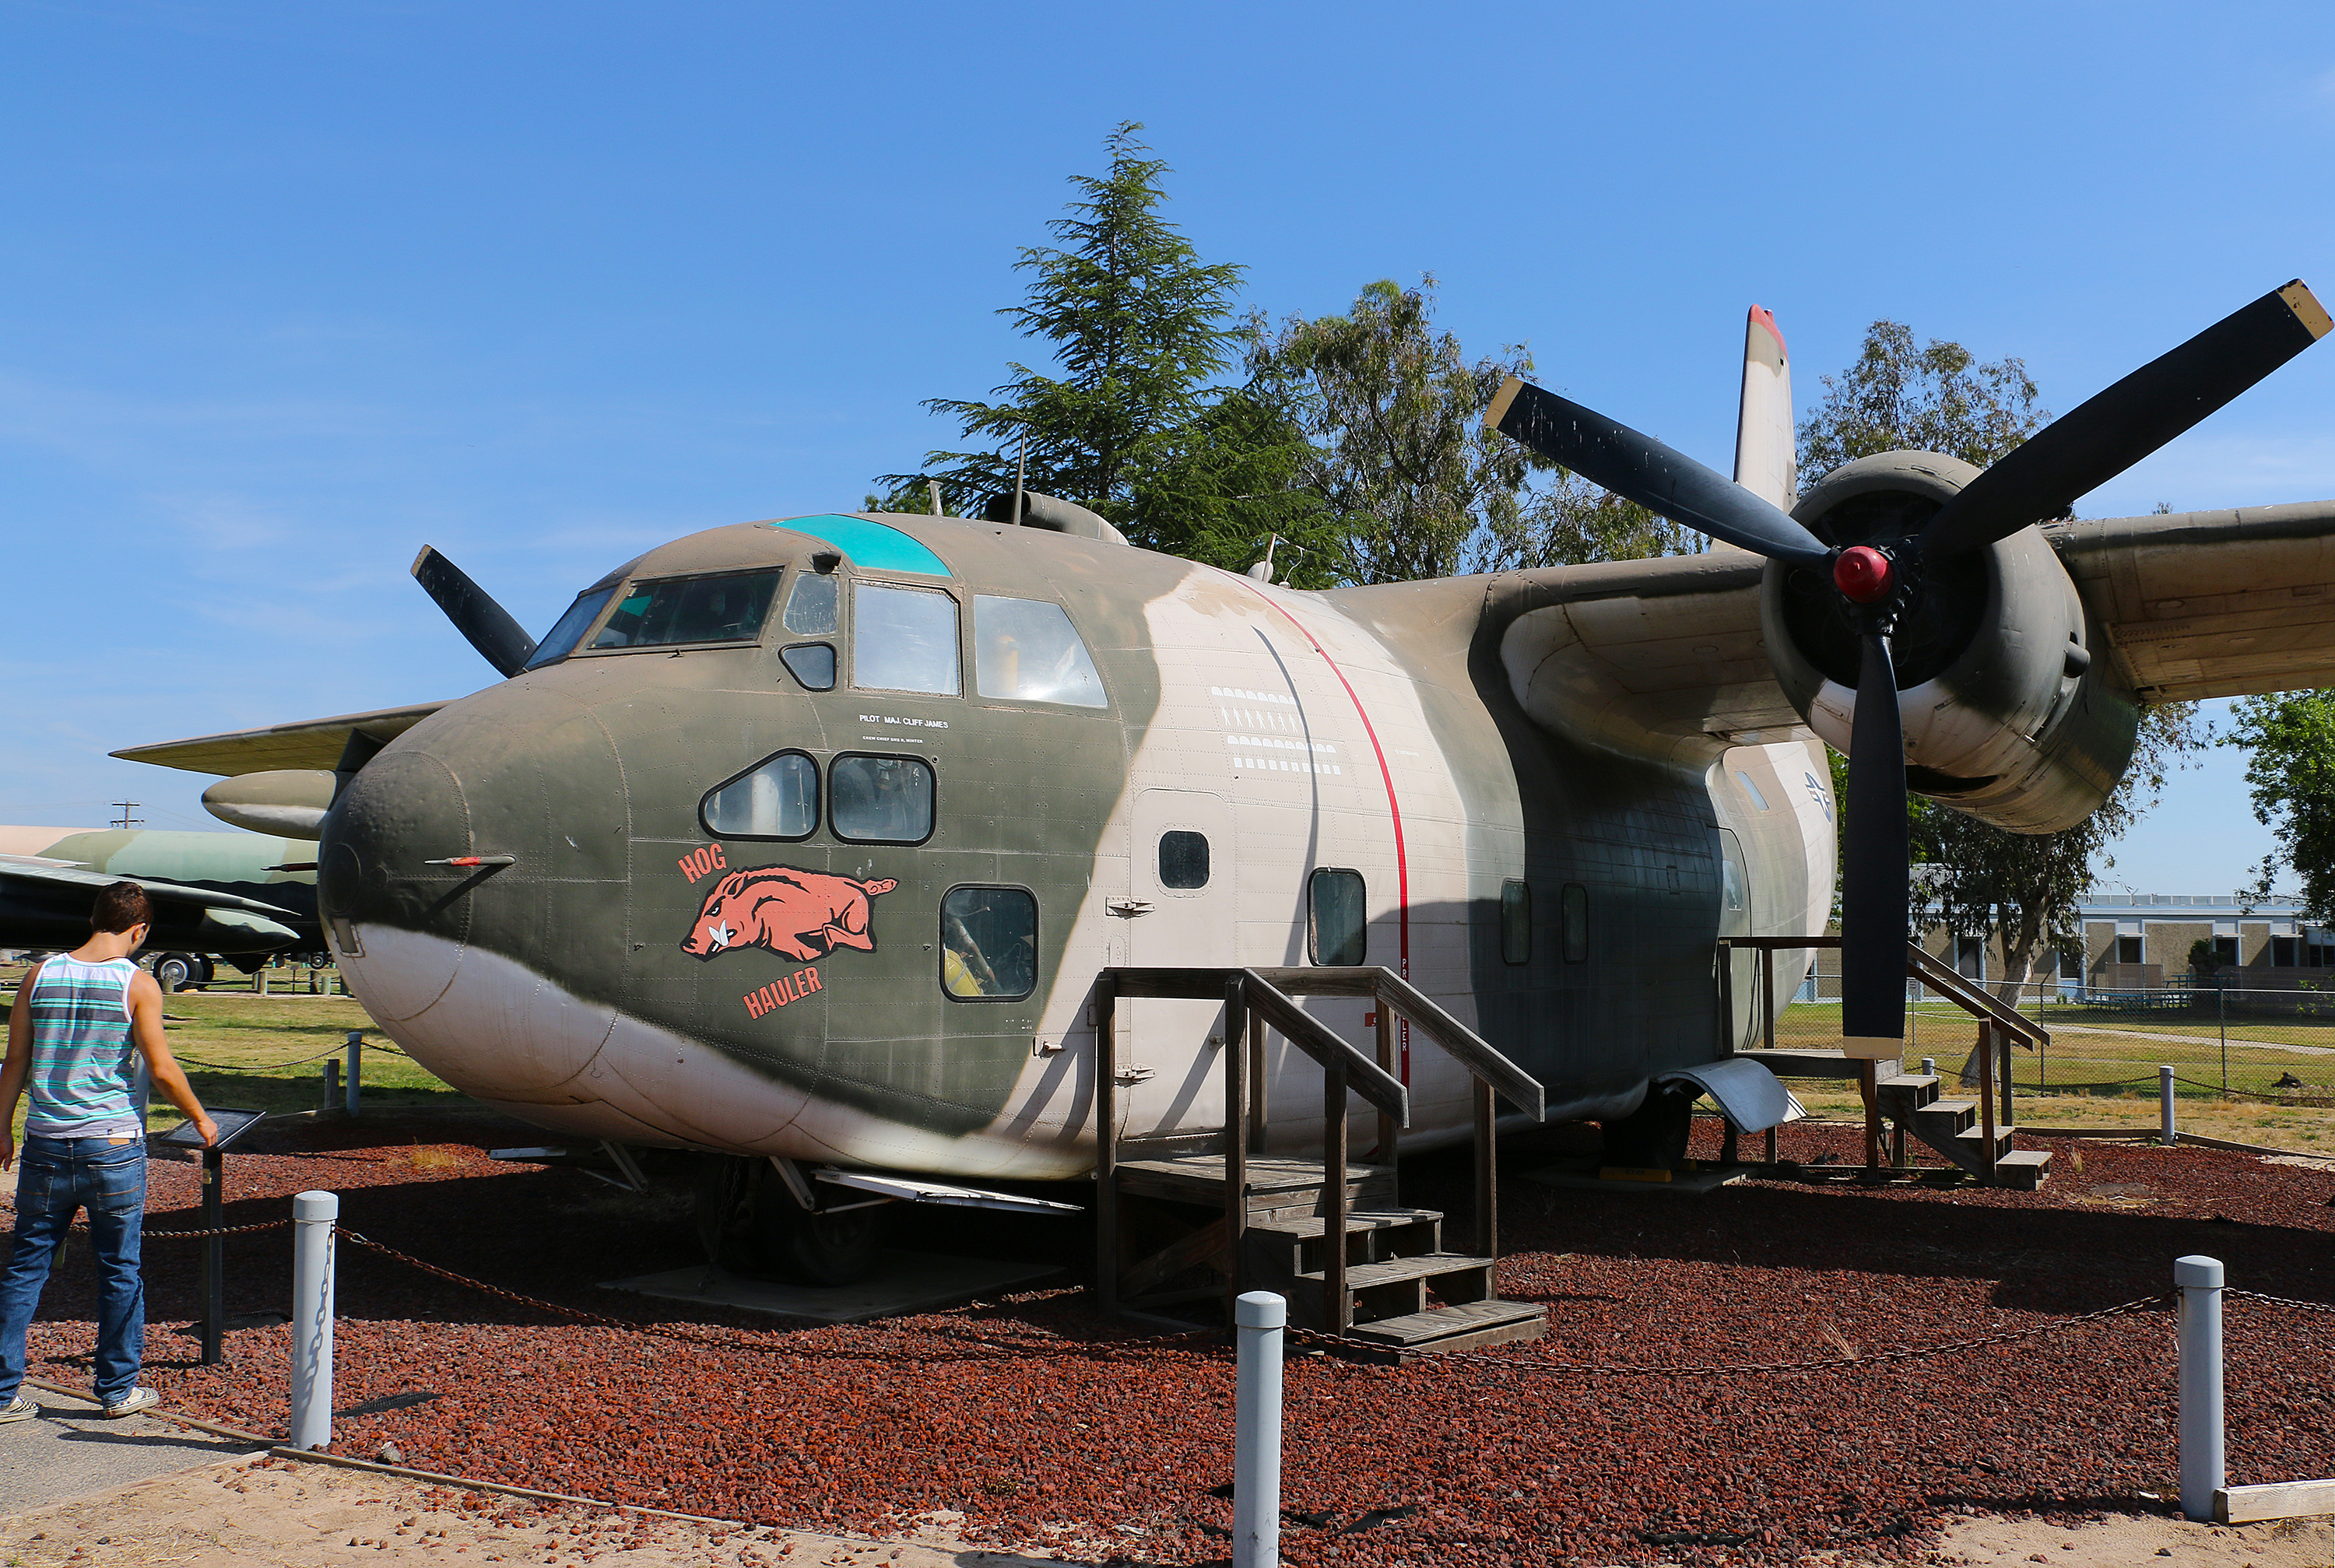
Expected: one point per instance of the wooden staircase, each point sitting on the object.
(1953, 1128)
(1187, 1222)
(1974, 1134)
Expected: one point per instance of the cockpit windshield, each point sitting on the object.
(729, 608)
(561, 639)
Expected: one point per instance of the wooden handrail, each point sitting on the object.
(1255, 999)
(1464, 1045)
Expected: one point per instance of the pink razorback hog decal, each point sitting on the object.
(794, 913)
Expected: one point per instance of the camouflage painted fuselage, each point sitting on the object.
(595, 984)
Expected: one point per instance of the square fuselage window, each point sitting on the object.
(1183, 860)
(880, 799)
(1336, 917)
(989, 943)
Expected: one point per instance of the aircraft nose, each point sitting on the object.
(375, 888)
(495, 974)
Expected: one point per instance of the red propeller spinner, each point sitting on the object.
(1864, 575)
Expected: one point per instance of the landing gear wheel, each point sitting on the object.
(749, 1223)
(172, 972)
(203, 973)
(1653, 1136)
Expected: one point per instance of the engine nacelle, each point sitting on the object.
(2012, 713)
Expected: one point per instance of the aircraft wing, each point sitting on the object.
(1655, 658)
(2220, 603)
(42, 905)
(311, 744)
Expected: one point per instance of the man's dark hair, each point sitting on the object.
(120, 907)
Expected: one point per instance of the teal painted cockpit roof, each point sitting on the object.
(869, 545)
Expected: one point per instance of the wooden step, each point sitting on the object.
(1945, 1117)
(1283, 1248)
(1277, 1188)
(1906, 1093)
(1469, 1326)
(2024, 1168)
(1393, 1288)
(1973, 1139)
(1395, 1271)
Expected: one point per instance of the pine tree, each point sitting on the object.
(1134, 424)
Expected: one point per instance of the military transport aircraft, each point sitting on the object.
(242, 896)
(806, 840)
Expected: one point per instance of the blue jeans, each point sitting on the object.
(56, 1177)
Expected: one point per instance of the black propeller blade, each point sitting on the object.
(1874, 869)
(1646, 471)
(499, 639)
(2113, 429)
(2076, 453)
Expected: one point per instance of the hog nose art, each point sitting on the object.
(791, 911)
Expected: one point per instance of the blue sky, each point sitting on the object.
(289, 291)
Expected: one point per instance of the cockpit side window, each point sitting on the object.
(810, 609)
(1026, 650)
(569, 629)
(905, 640)
(728, 608)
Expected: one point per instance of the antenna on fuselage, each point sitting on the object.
(933, 487)
(1262, 570)
(1021, 468)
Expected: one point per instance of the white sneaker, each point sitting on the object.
(19, 1408)
(130, 1403)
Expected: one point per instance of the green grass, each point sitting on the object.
(253, 1052)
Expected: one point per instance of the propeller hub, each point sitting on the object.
(1864, 575)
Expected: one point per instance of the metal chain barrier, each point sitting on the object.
(222, 1230)
(2282, 1301)
(1830, 1364)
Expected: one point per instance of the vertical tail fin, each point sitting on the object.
(1764, 460)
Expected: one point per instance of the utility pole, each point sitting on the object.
(126, 820)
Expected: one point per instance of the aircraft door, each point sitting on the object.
(1735, 920)
(1181, 913)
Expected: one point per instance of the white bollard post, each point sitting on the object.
(356, 1067)
(1259, 1316)
(2200, 1282)
(315, 1216)
(1929, 1067)
(2166, 1132)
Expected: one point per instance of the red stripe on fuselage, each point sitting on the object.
(1386, 774)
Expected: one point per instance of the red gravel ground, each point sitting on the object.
(1045, 1427)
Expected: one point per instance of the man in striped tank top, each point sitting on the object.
(80, 1022)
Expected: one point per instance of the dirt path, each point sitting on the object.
(280, 1514)
(2131, 1542)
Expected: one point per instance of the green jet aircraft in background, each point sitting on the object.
(242, 896)
(806, 840)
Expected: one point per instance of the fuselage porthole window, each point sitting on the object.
(671, 612)
(874, 799)
(813, 664)
(905, 640)
(1027, 651)
(989, 943)
(810, 609)
(777, 797)
(569, 629)
(1336, 917)
(1515, 922)
(1575, 923)
(1183, 860)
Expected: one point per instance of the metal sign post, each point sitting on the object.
(232, 1125)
